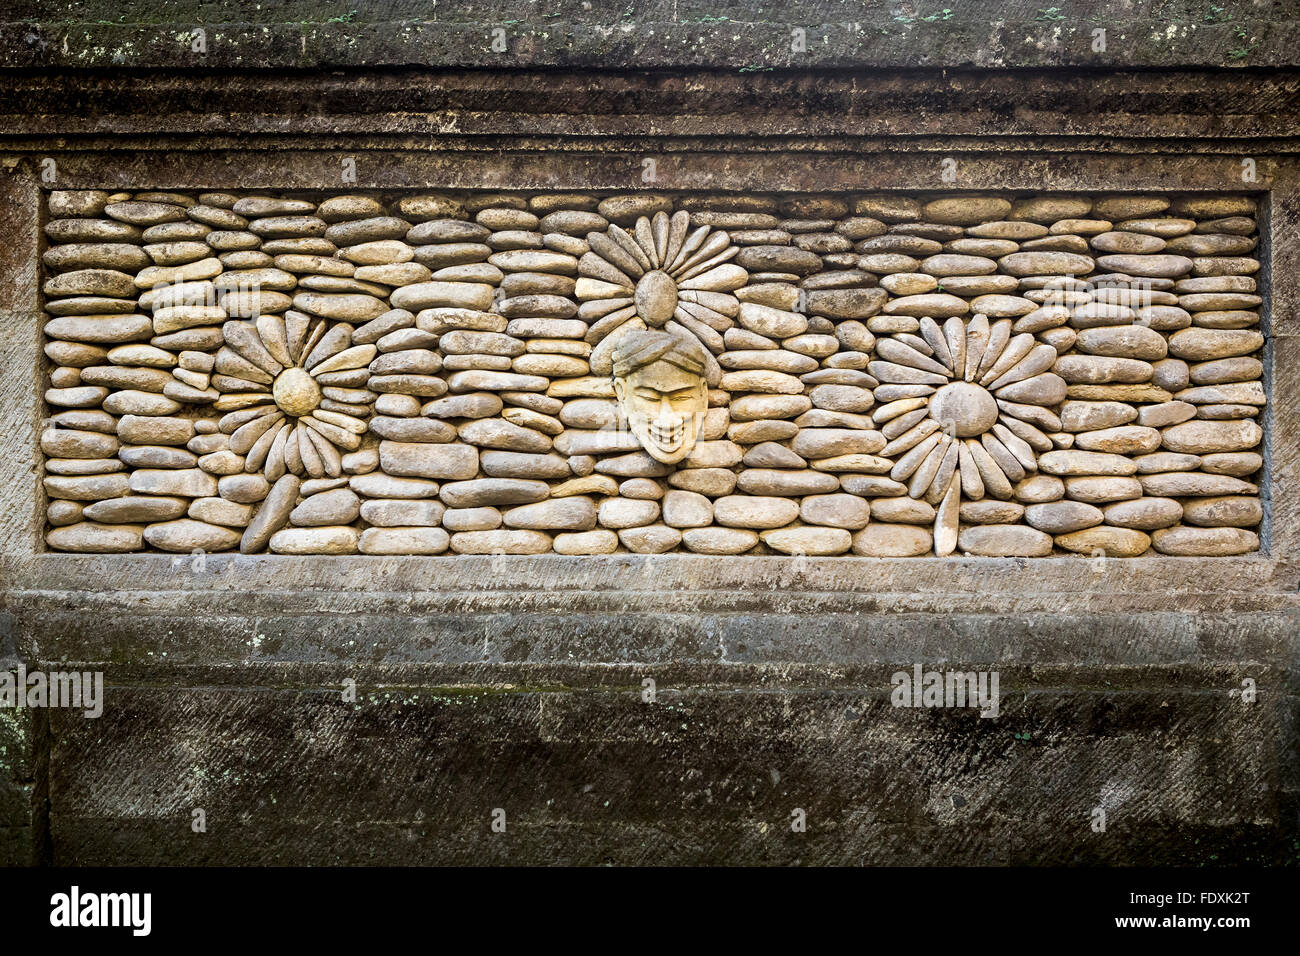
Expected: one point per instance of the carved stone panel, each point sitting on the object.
(879, 375)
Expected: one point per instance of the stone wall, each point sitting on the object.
(517, 682)
(887, 375)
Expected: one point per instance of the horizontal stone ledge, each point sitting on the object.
(626, 573)
(575, 648)
(879, 40)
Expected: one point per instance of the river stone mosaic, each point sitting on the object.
(878, 375)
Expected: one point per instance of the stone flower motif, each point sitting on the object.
(967, 407)
(666, 274)
(293, 389)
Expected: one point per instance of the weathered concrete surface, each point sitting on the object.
(659, 34)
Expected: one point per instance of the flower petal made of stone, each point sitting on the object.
(677, 229)
(709, 264)
(275, 467)
(629, 245)
(902, 423)
(715, 245)
(933, 335)
(358, 356)
(296, 327)
(609, 250)
(334, 341)
(895, 351)
(1017, 446)
(588, 289)
(907, 465)
(1029, 433)
(347, 422)
(594, 266)
(660, 227)
(333, 433)
(232, 420)
(243, 338)
(1019, 346)
(262, 447)
(927, 469)
(943, 478)
(999, 336)
(1044, 418)
(312, 463)
(1045, 389)
(892, 372)
(692, 242)
(293, 452)
(954, 333)
(995, 482)
(977, 340)
(646, 240)
(972, 485)
(231, 363)
(237, 400)
(910, 438)
(1005, 460)
(892, 410)
(271, 330)
(1039, 359)
(331, 460)
(724, 278)
(245, 436)
(947, 517)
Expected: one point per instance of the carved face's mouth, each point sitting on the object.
(668, 432)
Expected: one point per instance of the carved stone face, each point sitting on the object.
(665, 406)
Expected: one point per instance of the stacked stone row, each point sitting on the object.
(456, 400)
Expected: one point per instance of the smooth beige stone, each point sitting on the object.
(1063, 517)
(219, 511)
(990, 511)
(187, 535)
(326, 540)
(687, 509)
(713, 482)
(1045, 263)
(892, 541)
(1079, 416)
(1238, 464)
(1228, 511)
(808, 541)
(1102, 490)
(1198, 344)
(1004, 541)
(415, 540)
(715, 540)
(650, 539)
(89, 537)
(1122, 440)
(1070, 462)
(426, 460)
(1195, 484)
(599, 541)
(1106, 541)
(837, 510)
(1212, 437)
(620, 513)
(135, 509)
(902, 510)
(755, 512)
(1204, 542)
(1144, 514)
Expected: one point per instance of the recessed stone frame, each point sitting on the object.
(890, 375)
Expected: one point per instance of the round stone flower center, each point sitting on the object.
(656, 297)
(295, 392)
(963, 409)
